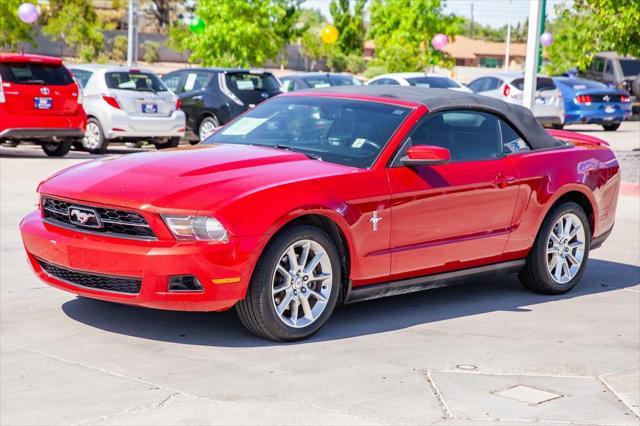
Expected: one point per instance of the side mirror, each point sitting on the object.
(426, 155)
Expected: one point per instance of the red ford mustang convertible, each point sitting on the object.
(329, 196)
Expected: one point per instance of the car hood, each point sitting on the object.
(204, 177)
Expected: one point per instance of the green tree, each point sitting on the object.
(12, 29)
(311, 46)
(119, 47)
(75, 23)
(151, 54)
(350, 25)
(402, 30)
(238, 33)
(589, 27)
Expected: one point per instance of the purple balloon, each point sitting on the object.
(28, 13)
(546, 39)
(439, 41)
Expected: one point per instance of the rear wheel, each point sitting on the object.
(295, 286)
(94, 140)
(207, 127)
(559, 255)
(170, 143)
(611, 127)
(57, 149)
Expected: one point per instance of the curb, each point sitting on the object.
(630, 189)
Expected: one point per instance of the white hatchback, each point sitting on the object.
(548, 106)
(418, 79)
(127, 105)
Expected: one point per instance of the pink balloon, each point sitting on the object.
(546, 39)
(28, 13)
(439, 41)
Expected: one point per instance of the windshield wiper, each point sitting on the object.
(292, 149)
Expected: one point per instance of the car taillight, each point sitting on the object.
(583, 99)
(507, 90)
(177, 104)
(625, 98)
(111, 100)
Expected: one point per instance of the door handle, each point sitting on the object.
(503, 181)
(197, 97)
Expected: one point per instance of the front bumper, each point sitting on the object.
(119, 124)
(223, 269)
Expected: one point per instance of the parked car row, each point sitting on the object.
(88, 106)
(561, 100)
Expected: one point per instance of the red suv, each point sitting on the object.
(39, 102)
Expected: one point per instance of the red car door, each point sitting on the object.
(454, 215)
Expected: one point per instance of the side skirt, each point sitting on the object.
(427, 282)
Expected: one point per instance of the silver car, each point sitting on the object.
(127, 105)
(548, 107)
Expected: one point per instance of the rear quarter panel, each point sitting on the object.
(587, 167)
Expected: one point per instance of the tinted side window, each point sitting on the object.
(511, 140)
(493, 83)
(468, 135)
(196, 81)
(477, 85)
(172, 81)
(598, 65)
(82, 76)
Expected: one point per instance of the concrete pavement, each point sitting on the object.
(485, 352)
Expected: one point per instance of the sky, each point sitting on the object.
(486, 12)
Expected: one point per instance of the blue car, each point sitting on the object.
(587, 101)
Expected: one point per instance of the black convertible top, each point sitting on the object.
(439, 99)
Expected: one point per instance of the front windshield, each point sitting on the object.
(342, 131)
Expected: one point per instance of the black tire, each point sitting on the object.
(171, 143)
(257, 311)
(557, 126)
(208, 120)
(57, 149)
(536, 276)
(611, 127)
(101, 146)
(77, 145)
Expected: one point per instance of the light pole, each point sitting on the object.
(506, 53)
(531, 63)
(132, 47)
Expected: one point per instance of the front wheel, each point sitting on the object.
(611, 127)
(57, 149)
(559, 255)
(295, 286)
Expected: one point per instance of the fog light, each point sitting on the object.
(184, 283)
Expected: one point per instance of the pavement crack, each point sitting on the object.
(446, 413)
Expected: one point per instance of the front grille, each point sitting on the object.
(117, 223)
(96, 281)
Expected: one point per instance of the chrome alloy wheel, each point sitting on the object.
(565, 248)
(301, 283)
(206, 129)
(91, 136)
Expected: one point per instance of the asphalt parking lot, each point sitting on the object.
(484, 352)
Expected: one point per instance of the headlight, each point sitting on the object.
(196, 228)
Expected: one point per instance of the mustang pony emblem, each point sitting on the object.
(84, 217)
